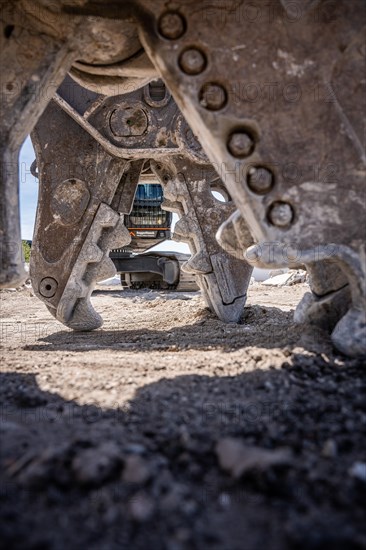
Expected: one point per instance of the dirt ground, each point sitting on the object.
(167, 429)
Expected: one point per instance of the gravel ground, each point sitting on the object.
(168, 429)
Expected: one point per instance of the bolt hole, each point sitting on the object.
(157, 90)
(213, 96)
(8, 31)
(192, 61)
(9, 86)
(172, 25)
(219, 196)
(156, 94)
(219, 192)
(166, 179)
(260, 180)
(48, 287)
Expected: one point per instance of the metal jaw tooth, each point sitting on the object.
(74, 308)
(198, 263)
(173, 192)
(337, 302)
(323, 311)
(75, 226)
(171, 206)
(107, 269)
(94, 253)
(222, 279)
(234, 235)
(334, 314)
(33, 62)
(185, 228)
(349, 335)
(329, 299)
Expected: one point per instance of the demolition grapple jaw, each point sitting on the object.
(276, 102)
(107, 142)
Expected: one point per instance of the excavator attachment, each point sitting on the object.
(88, 172)
(275, 94)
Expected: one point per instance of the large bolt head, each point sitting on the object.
(240, 144)
(172, 25)
(260, 180)
(192, 61)
(128, 121)
(47, 287)
(280, 214)
(213, 97)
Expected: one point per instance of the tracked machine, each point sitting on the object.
(150, 225)
(273, 91)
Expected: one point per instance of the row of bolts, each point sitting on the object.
(213, 97)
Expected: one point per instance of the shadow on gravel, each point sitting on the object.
(261, 327)
(146, 474)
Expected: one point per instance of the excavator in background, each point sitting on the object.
(150, 225)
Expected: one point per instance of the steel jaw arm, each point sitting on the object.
(76, 226)
(39, 44)
(188, 190)
(293, 158)
(32, 66)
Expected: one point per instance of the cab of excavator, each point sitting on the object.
(148, 223)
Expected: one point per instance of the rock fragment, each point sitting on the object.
(94, 465)
(358, 471)
(142, 507)
(136, 470)
(46, 467)
(329, 449)
(237, 458)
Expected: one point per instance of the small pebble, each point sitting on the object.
(329, 449)
(136, 470)
(141, 507)
(358, 470)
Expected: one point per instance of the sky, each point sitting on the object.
(28, 190)
(29, 197)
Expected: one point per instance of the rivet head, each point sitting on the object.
(281, 214)
(260, 180)
(172, 25)
(213, 97)
(192, 61)
(48, 287)
(240, 144)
